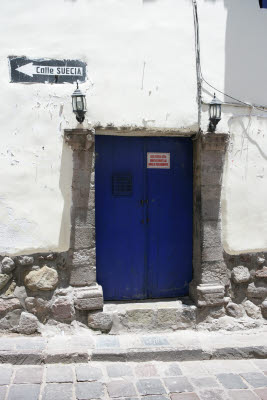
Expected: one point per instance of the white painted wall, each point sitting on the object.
(141, 70)
(234, 60)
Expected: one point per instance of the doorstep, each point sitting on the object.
(151, 315)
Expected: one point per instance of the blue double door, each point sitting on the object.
(143, 216)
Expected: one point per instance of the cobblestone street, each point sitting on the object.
(189, 380)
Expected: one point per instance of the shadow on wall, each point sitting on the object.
(65, 180)
(245, 51)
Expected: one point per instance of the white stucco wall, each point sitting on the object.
(141, 71)
(234, 60)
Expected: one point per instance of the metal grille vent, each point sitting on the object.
(122, 185)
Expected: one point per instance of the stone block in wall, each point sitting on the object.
(257, 290)
(28, 323)
(63, 309)
(210, 295)
(264, 309)
(240, 274)
(82, 237)
(83, 257)
(211, 234)
(80, 197)
(83, 197)
(99, 320)
(211, 175)
(4, 279)
(83, 160)
(81, 178)
(82, 276)
(8, 265)
(89, 298)
(252, 310)
(261, 273)
(81, 217)
(7, 305)
(11, 321)
(235, 310)
(213, 159)
(25, 261)
(43, 279)
(216, 271)
(39, 307)
(260, 260)
(210, 207)
(215, 142)
(212, 254)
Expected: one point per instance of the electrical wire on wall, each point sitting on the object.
(201, 79)
(198, 66)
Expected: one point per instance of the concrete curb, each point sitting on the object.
(31, 357)
(176, 354)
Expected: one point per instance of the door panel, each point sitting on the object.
(120, 233)
(169, 194)
(143, 218)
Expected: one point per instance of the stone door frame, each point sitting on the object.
(209, 269)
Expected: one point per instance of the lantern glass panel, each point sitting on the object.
(219, 111)
(74, 104)
(212, 111)
(79, 102)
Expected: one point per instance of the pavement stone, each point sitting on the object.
(231, 381)
(89, 390)
(216, 367)
(24, 392)
(146, 370)
(178, 384)
(242, 395)
(29, 374)
(205, 382)
(59, 374)
(23, 343)
(87, 373)
(194, 368)
(3, 390)
(119, 369)
(262, 364)
(105, 342)
(154, 341)
(5, 375)
(255, 379)
(262, 393)
(173, 370)
(150, 386)
(156, 380)
(156, 397)
(184, 396)
(58, 391)
(121, 388)
(212, 394)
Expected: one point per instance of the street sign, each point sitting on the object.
(25, 70)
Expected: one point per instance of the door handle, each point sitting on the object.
(142, 202)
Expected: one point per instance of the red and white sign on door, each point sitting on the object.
(158, 160)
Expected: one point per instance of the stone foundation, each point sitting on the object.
(228, 292)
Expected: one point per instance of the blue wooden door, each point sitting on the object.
(143, 217)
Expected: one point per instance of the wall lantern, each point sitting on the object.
(215, 112)
(79, 104)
